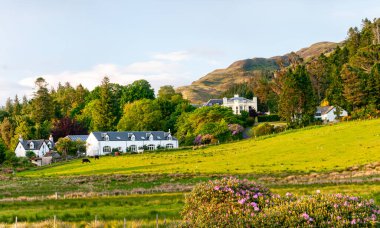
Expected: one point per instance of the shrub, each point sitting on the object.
(263, 129)
(235, 203)
(30, 154)
(224, 203)
(268, 118)
(318, 210)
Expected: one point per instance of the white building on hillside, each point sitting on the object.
(328, 113)
(102, 143)
(236, 103)
(39, 147)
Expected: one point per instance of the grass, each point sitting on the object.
(137, 207)
(142, 207)
(315, 149)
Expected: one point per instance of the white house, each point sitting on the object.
(328, 113)
(39, 147)
(102, 143)
(236, 103)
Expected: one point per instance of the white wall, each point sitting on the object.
(20, 151)
(94, 147)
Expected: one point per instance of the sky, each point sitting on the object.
(167, 42)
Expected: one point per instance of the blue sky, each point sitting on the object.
(163, 41)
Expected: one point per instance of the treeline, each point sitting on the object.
(348, 77)
(66, 110)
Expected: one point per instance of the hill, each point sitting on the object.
(319, 149)
(214, 83)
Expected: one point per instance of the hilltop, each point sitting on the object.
(214, 83)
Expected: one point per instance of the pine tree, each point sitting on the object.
(42, 103)
(104, 120)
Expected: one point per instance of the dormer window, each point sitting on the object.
(49, 145)
(151, 137)
(31, 145)
(170, 137)
(133, 138)
(107, 138)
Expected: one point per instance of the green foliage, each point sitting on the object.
(224, 203)
(263, 129)
(236, 203)
(3, 149)
(141, 115)
(268, 118)
(138, 90)
(297, 101)
(30, 154)
(42, 103)
(68, 147)
(206, 120)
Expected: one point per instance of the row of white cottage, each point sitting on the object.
(102, 143)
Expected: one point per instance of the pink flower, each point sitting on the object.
(353, 222)
(305, 216)
(216, 188)
(256, 209)
(242, 201)
(288, 194)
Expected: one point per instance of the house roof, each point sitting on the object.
(324, 109)
(240, 99)
(212, 102)
(126, 135)
(37, 144)
(77, 137)
(52, 154)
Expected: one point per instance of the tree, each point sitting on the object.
(138, 90)
(297, 100)
(42, 103)
(63, 145)
(104, 120)
(7, 131)
(141, 115)
(67, 126)
(166, 92)
(3, 149)
(30, 154)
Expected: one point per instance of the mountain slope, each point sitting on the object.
(216, 82)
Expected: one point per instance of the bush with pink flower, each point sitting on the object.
(235, 203)
(224, 203)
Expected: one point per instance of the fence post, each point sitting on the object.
(125, 223)
(96, 219)
(16, 222)
(157, 220)
(165, 220)
(56, 195)
(54, 220)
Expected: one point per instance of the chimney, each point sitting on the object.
(20, 139)
(51, 139)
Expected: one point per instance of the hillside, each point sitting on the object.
(214, 83)
(320, 149)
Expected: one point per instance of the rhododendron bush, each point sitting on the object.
(240, 203)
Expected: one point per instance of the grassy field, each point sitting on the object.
(315, 149)
(298, 161)
(142, 207)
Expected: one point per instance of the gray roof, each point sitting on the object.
(77, 137)
(126, 135)
(37, 144)
(324, 109)
(212, 102)
(239, 99)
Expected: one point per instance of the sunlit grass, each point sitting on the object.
(312, 149)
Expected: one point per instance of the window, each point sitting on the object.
(169, 146)
(133, 138)
(49, 145)
(107, 138)
(151, 137)
(236, 110)
(151, 147)
(31, 145)
(170, 137)
(133, 148)
(107, 149)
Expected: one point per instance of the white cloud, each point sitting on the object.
(157, 72)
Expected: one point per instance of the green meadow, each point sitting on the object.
(319, 154)
(313, 149)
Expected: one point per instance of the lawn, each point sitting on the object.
(314, 149)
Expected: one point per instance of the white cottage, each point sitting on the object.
(236, 103)
(102, 143)
(39, 147)
(328, 113)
